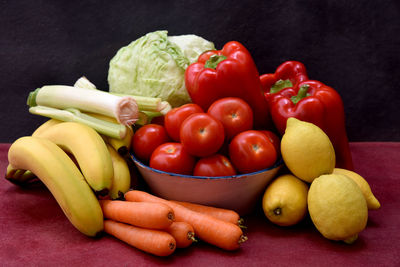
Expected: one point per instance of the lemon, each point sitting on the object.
(307, 150)
(285, 200)
(372, 201)
(337, 207)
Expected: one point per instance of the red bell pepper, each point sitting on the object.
(228, 72)
(288, 74)
(314, 102)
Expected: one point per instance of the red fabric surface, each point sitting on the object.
(34, 230)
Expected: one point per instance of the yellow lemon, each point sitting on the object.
(337, 207)
(285, 200)
(307, 150)
(372, 202)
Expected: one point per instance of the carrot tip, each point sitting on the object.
(240, 223)
(171, 216)
(171, 246)
(242, 239)
(191, 237)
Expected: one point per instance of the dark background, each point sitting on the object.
(353, 46)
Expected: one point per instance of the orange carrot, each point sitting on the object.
(219, 213)
(220, 233)
(142, 214)
(156, 242)
(183, 234)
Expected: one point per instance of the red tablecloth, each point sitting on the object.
(34, 230)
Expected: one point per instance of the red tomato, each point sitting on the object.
(146, 139)
(234, 113)
(172, 157)
(274, 140)
(251, 151)
(174, 118)
(212, 166)
(202, 135)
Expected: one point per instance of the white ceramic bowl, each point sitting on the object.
(238, 192)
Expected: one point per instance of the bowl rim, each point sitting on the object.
(279, 162)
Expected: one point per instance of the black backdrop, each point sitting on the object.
(353, 46)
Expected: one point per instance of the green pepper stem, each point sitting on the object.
(279, 85)
(214, 60)
(301, 94)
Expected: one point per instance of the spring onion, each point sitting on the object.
(111, 129)
(124, 109)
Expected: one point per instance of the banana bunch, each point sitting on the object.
(75, 164)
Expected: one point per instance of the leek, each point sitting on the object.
(144, 102)
(114, 130)
(124, 109)
(83, 82)
(165, 107)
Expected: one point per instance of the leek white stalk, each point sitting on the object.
(124, 109)
(84, 83)
(145, 103)
(114, 130)
(165, 107)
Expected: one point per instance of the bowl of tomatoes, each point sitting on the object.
(213, 158)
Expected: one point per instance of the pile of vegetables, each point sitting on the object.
(231, 72)
(196, 111)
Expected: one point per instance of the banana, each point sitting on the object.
(121, 145)
(18, 176)
(23, 177)
(47, 124)
(89, 150)
(122, 179)
(64, 180)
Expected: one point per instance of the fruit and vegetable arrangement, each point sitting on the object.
(178, 105)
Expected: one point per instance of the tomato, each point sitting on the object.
(172, 157)
(234, 113)
(212, 166)
(146, 139)
(274, 140)
(174, 118)
(251, 151)
(202, 135)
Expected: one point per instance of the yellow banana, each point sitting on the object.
(89, 150)
(47, 124)
(64, 180)
(22, 177)
(18, 176)
(121, 145)
(122, 178)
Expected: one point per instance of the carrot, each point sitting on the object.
(156, 242)
(219, 213)
(183, 234)
(220, 233)
(142, 214)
